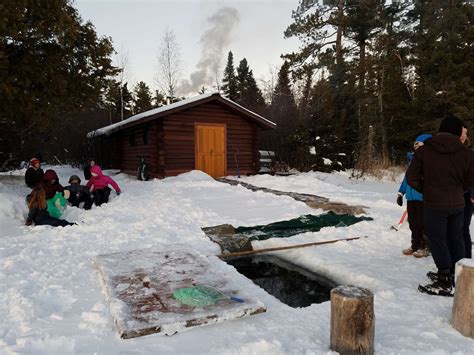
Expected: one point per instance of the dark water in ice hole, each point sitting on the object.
(291, 284)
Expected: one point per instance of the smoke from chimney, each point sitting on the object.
(213, 42)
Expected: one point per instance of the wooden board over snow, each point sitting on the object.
(139, 285)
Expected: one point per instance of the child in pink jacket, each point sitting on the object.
(99, 186)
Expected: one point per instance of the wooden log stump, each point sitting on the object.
(352, 320)
(463, 304)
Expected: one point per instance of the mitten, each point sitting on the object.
(119, 192)
(66, 194)
(400, 199)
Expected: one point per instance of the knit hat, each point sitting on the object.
(451, 124)
(34, 161)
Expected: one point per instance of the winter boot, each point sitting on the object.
(421, 253)
(443, 286)
(408, 251)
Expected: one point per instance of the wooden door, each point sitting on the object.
(211, 149)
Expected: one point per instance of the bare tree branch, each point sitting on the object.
(169, 64)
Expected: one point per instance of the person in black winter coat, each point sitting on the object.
(38, 213)
(443, 170)
(34, 174)
(79, 193)
(87, 169)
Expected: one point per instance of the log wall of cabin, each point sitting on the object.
(137, 142)
(170, 144)
(106, 151)
(179, 141)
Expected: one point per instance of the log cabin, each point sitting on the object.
(208, 132)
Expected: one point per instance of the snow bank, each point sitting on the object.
(51, 295)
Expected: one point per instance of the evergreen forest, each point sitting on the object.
(368, 77)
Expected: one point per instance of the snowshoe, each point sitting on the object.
(443, 286)
(437, 290)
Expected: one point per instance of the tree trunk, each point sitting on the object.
(361, 90)
(463, 305)
(352, 320)
(383, 132)
(340, 28)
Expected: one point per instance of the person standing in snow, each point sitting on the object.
(38, 214)
(79, 193)
(467, 206)
(442, 169)
(87, 169)
(419, 244)
(34, 174)
(98, 185)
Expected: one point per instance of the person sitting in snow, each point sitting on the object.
(55, 193)
(50, 184)
(443, 168)
(419, 243)
(38, 213)
(34, 174)
(98, 185)
(79, 193)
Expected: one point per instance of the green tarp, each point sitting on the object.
(302, 224)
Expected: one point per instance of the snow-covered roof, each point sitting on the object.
(177, 106)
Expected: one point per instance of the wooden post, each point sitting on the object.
(352, 320)
(463, 305)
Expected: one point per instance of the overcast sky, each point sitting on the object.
(250, 29)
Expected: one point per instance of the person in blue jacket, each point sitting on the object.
(419, 243)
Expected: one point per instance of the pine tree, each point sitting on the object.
(229, 83)
(444, 60)
(363, 22)
(142, 98)
(320, 27)
(51, 64)
(248, 94)
(242, 81)
(283, 112)
(283, 98)
(126, 101)
(392, 98)
(118, 98)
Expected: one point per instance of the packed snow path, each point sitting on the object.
(52, 301)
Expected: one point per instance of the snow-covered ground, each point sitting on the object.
(52, 300)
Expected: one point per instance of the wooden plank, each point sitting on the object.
(140, 284)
